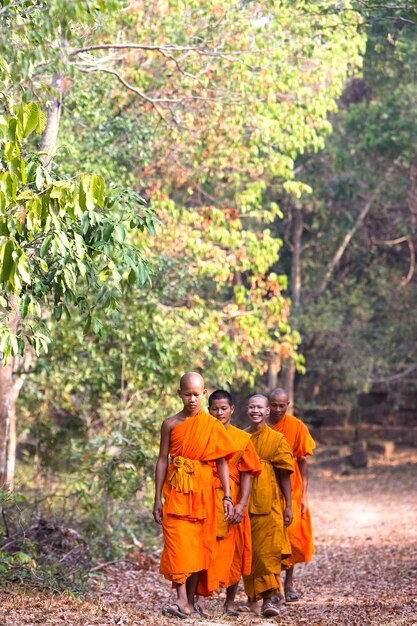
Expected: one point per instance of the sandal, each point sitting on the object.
(244, 608)
(291, 595)
(272, 606)
(270, 609)
(176, 610)
(230, 612)
(200, 610)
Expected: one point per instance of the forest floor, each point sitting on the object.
(364, 571)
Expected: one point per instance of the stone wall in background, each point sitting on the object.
(381, 415)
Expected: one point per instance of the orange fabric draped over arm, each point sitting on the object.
(188, 519)
(301, 531)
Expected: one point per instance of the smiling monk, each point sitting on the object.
(191, 438)
(234, 546)
(268, 520)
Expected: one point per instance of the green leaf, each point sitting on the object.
(87, 324)
(96, 190)
(24, 269)
(6, 260)
(58, 312)
(120, 234)
(31, 118)
(45, 246)
(79, 245)
(108, 230)
(24, 305)
(40, 177)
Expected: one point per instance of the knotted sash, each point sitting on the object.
(193, 443)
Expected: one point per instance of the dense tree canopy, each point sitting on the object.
(358, 259)
(193, 146)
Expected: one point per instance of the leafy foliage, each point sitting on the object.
(364, 311)
(57, 234)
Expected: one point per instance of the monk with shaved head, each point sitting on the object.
(269, 516)
(302, 445)
(185, 503)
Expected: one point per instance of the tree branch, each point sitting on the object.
(135, 90)
(407, 279)
(352, 232)
(391, 242)
(393, 377)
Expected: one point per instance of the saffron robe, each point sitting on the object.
(300, 532)
(189, 510)
(233, 554)
(269, 534)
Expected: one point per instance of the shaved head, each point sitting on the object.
(278, 403)
(278, 391)
(192, 392)
(191, 378)
(259, 395)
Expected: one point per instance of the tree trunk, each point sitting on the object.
(273, 371)
(50, 135)
(11, 445)
(297, 236)
(9, 386)
(6, 408)
(7, 401)
(23, 366)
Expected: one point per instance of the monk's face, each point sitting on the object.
(258, 410)
(278, 403)
(222, 410)
(192, 393)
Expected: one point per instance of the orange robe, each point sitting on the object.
(269, 535)
(189, 509)
(300, 532)
(234, 546)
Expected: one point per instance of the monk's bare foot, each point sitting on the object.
(271, 606)
(250, 606)
(291, 595)
(176, 609)
(229, 609)
(200, 608)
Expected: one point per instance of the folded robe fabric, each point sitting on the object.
(233, 546)
(300, 531)
(189, 514)
(269, 535)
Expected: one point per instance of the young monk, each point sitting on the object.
(191, 438)
(267, 518)
(234, 546)
(302, 444)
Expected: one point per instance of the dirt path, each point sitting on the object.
(364, 572)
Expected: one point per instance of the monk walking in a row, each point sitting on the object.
(268, 519)
(302, 445)
(191, 438)
(211, 536)
(233, 556)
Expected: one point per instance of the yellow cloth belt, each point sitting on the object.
(182, 476)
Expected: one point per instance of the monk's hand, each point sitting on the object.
(228, 510)
(304, 504)
(238, 514)
(288, 515)
(157, 512)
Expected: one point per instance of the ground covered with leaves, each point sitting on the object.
(364, 571)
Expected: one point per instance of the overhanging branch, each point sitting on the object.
(352, 232)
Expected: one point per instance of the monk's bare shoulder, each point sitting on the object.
(170, 422)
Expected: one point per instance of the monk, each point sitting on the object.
(302, 444)
(234, 545)
(268, 518)
(191, 438)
